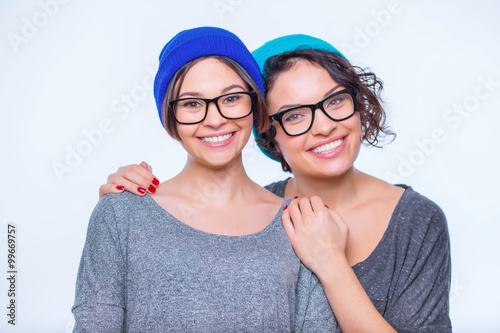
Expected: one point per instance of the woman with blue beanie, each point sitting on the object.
(385, 265)
(175, 264)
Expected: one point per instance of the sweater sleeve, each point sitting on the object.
(100, 286)
(313, 312)
(420, 301)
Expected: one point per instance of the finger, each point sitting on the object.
(133, 187)
(339, 221)
(109, 188)
(317, 204)
(146, 166)
(305, 206)
(138, 189)
(154, 181)
(295, 213)
(287, 223)
(135, 174)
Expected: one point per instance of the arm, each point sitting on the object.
(100, 286)
(420, 301)
(137, 179)
(319, 237)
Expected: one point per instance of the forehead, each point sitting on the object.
(210, 73)
(303, 83)
(302, 70)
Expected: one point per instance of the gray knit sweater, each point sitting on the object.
(407, 276)
(143, 270)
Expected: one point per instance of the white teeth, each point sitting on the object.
(328, 148)
(217, 139)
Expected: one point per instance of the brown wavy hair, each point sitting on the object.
(367, 86)
(261, 120)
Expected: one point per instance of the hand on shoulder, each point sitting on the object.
(135, 178)
(317, 233)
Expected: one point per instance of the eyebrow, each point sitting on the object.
(328, 93)
(225, 90)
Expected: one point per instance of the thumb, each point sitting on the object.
(287, 223)
(339, 221)
(146, 166)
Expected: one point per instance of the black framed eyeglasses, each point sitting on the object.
(234, 105)
(298, 120)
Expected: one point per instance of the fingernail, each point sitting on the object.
(286, 206)
(295, 197)
(141, 190)
(327, 207)
(120, 188)
(152, 189)
(155, 181)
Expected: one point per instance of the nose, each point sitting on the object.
(322, 125)
(214, 118)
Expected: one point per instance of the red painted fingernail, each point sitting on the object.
(327, 207)
(295, 197)
(120, 188)
(141, 190)
(152, 189)
(286, 206)
(155, 181)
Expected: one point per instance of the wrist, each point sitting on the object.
(332, 266)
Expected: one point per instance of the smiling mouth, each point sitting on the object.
(328, 148)
(217, 139)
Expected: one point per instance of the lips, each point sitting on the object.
(217, 139)
(328, 147)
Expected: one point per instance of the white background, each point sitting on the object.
(68, 67)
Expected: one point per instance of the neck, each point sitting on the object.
(336, 192)
(217, 184)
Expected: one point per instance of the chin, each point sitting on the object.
(216, 161)
(326, 169)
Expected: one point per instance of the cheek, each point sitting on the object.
(245, 126)
(354, 124)
(184, 132)
(289, 145)
(279, 139)
(248, 122)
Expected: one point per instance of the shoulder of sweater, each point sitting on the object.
(421, 209)
(120, 202)
(276, 185)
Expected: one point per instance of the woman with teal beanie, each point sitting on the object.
(385, 263)
(170, 264)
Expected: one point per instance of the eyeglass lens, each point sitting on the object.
(338, 107)
(231, 106)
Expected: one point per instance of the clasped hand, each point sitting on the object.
(318, 234)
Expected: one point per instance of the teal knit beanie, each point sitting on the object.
(291, 43)
(285, 44)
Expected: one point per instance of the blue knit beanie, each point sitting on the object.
(285, 44)
(190, 44)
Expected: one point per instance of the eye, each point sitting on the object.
(335, 101)
(191, 104)
(292, 117)
(296, 116)
(231, 99)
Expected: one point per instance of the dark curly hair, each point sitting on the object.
(366, 85)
